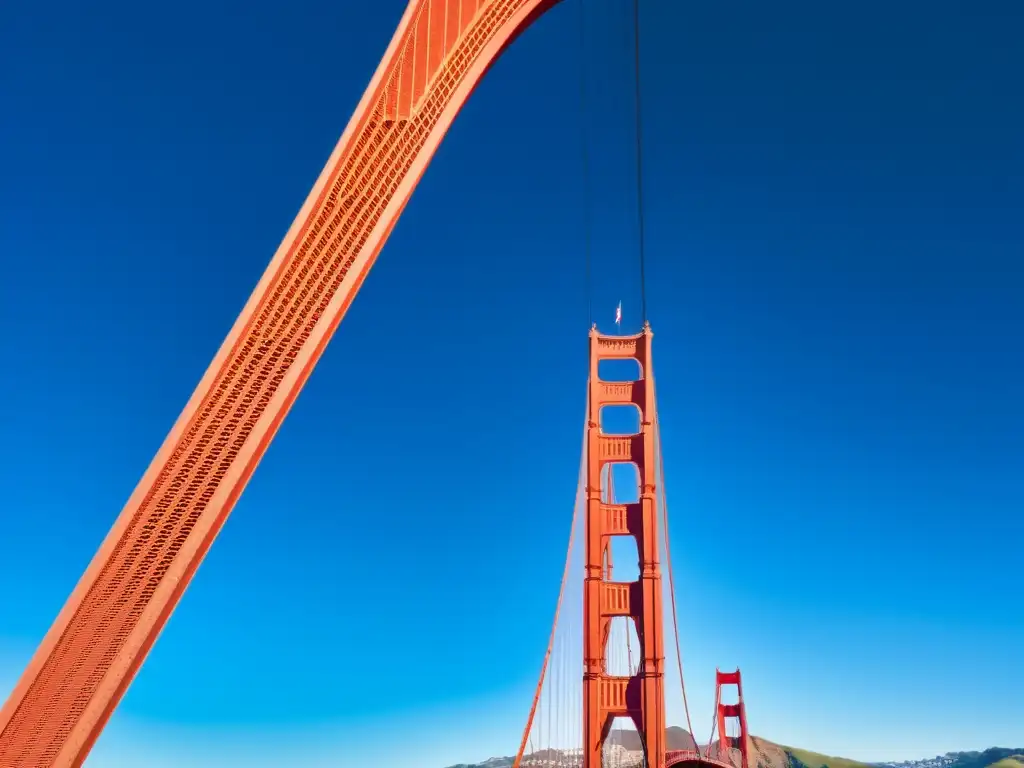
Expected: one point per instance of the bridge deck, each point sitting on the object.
(691, 757)
(676, 758)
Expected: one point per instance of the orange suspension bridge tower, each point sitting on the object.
(640, 697)
(99, 640)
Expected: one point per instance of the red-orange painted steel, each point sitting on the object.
(640, 697)
(737, 711)
(437, 56)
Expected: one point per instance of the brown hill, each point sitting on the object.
(763, 753)
(676, 738)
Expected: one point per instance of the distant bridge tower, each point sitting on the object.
(641, 696)
(737, 712)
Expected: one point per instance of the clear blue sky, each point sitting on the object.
(835, 281)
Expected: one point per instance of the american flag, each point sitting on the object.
(618, 315)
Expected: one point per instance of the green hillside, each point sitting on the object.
(801, 758)
(996, 757)
(1014, 761)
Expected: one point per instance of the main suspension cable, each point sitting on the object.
(586, 163)
(639, 156)
(660, 479)
(714, 722)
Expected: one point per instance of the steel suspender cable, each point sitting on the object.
(577, 505)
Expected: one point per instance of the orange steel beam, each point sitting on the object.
(99, 640)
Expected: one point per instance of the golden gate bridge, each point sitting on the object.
(605, 661)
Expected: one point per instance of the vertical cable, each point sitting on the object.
(639, 156)
(580, 490)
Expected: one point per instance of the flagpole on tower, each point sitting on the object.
(618, 318)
